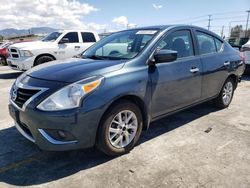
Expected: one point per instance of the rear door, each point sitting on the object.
(215, 63)
(88, 39)
(176, 84)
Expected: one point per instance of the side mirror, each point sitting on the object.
(64, 40)
(163, 56)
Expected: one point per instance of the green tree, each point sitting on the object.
(235, 31)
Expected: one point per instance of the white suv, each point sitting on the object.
(57, 45)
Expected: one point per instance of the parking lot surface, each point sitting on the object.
(199, 147)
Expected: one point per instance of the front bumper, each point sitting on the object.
(21, 64)
(36, 126)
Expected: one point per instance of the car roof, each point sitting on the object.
(76, 30)
(163, 27)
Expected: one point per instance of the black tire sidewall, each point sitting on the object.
(43, 59)
(103, 142)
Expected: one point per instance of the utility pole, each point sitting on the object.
(209, 21)
(222, 31)
(248, 11)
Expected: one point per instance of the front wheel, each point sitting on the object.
(226, 95)
(120, 129)
(43, 59)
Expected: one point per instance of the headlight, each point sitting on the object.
(25, 53)
(70, 96)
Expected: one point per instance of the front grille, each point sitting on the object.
(13, 52)
(15, 55)
(23, 95)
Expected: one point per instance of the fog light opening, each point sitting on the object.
(61, 134)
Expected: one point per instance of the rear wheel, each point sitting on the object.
(226, 95)
(43, 59)
(120, 129)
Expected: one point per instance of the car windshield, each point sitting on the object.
(121, 45)
(5, 45)
(51, 37)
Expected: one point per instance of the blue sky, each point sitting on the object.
(141, 12)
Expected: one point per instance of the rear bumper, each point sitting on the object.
(21, 64)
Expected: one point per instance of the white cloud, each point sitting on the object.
(123, 21)
(62, 14)
(157, 7)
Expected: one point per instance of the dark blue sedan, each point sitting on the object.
(120, 85)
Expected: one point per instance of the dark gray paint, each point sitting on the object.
(161, 89)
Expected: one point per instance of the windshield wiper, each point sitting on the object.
(94, 57)
(104, 57)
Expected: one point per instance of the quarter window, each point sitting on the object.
(179, 41)
(206, 43)
(219, 44)
(88, 37)
(72, 36)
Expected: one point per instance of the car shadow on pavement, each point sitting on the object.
(11, 75)
(23, 164)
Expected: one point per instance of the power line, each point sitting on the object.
(232, 12)
(223, 18)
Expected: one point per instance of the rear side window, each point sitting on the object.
(219, 45)
(179, 41)
(72, 36)
(88, 37)
(206, 43)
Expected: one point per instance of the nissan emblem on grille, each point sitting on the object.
(14, 93)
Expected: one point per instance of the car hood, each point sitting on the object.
(72, 70)
(31, 45)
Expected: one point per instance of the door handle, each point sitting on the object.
(227, 63)
(77, 47)
(194, 70)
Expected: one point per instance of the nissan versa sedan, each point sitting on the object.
(120, 85)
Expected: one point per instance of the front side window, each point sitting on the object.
(121, 45)
(179, 41)
(72, 36)
(206, 43)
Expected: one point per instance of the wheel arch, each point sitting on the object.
(134, 99)
(43, 54)
(235, 78)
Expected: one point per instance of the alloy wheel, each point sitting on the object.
(227, 93)
(122, 129)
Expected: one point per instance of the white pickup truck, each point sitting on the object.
(55, 46)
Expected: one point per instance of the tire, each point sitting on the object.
(226, 95)
(43, 59)
(3, 61)
(115, 138)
